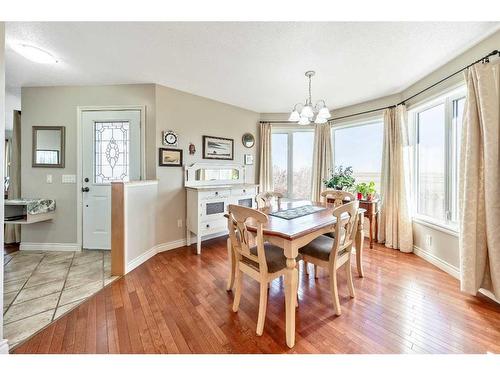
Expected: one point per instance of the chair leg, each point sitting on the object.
(237, 289)
(334, 290)
(350, 284)
(315, 271)
(306, 267)
(262, 308)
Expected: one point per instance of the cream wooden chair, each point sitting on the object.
(333, 253)
(338, 196)
(263, 262)
(265, 199)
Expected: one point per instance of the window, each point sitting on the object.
(437, 128)
(111, 151)
(360, 145)
(292, 155)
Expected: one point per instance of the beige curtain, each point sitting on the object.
(479, 179)
(322, 159)
(395, 228)
(266, 165)
(13, 231)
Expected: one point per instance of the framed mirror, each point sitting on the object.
(48, 147)
(248, 140)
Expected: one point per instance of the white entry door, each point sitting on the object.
(111, 150)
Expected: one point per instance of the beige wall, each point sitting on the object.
(166, 109)
(57, 106)
(192, 117)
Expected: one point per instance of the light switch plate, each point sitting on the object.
(68, 179)
(49, 179)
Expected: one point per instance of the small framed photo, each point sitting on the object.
(218, 148)
(248, 159)
(170, 157)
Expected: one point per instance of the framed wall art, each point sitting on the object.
(170, 157)
(218, 148)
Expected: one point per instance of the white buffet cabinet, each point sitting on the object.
(210, 188)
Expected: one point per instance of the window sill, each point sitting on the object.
(442, 227)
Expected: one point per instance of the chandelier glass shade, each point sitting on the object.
(306, 113)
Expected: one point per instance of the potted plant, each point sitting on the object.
(370, 191)
(341, 179)
(361, 189)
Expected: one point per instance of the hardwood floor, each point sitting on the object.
(176, 303)
(10, 248)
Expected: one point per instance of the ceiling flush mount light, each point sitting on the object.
(304, 114)
(35, 54)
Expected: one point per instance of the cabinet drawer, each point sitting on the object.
(244, 191)
(213, 226)
(211, 194)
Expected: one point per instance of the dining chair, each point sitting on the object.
(263, 262)
(333, 253)
(265, 199)
(338, 197)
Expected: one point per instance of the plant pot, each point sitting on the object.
(360, 196)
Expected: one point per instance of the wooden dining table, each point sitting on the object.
(291, 235)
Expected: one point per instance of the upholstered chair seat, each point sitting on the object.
(320, 248)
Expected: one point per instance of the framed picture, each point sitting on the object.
(248, 159)
(170, 157)
(218, 148)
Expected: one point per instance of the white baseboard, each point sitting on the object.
(4, 346)
(488, 294)
(166, 246)
(141, 259)
(439, 263)
(34, 246)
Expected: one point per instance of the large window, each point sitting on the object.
(360, 145)
(437, 129)
(292, 153)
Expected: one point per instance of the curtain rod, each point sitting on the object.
(482, 59)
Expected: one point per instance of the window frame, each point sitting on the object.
(289, 132)
(448, 98)
(365, 121)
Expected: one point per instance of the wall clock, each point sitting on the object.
(170, 138)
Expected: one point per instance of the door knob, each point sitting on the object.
(85, 189)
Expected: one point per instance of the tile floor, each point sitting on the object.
(41, 286)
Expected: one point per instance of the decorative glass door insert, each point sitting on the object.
(112, 151)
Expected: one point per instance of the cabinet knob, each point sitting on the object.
(244, 191)
(208, 225)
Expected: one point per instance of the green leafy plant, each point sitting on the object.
(366, 189)
(371, 188)
(362, 188)
(341, 179)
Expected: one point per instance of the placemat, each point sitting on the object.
(293, 213)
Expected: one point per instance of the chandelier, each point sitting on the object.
(303, 114)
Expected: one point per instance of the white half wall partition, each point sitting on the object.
(133, 224)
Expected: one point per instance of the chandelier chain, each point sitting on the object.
(310, 97)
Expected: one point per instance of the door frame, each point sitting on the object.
(79, 154)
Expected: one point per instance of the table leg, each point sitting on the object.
(232, 265)
(291, 282)
(359, 245)
(372, 226)
(376, 228)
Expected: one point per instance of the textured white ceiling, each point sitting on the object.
(255, 65)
